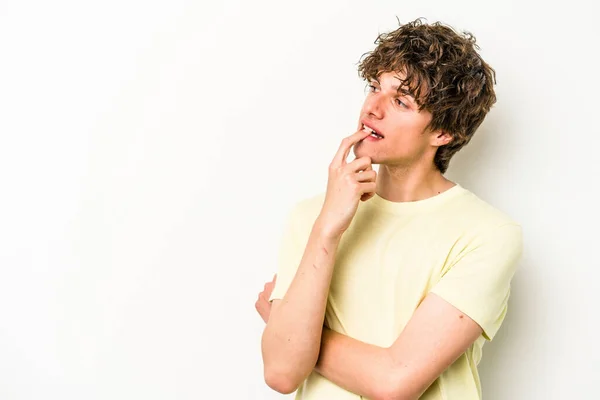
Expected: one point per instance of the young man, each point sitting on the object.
(390, 282)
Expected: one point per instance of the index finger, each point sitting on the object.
(347, 143)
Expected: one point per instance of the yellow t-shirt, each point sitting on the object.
(393, 254)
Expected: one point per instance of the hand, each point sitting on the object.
(346, 185)
(263, 305)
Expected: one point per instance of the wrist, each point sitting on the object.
(325, 232)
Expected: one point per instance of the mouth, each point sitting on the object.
(374, 133)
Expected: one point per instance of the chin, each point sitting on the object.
(362, 152)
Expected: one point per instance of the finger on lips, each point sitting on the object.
(347, 143)
(355, 138)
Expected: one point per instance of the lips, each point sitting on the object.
(368, 128)
(367, 124)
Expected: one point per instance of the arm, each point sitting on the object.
(433, 339)
(471, 299)
(292, 336)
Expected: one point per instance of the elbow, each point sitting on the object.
(393, 394)
(283, 383)
(385, 393)
(285, 369)
(396, 388)
(285, 377)
(285, 374)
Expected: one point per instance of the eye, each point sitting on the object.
(371, 88)
(401, 103)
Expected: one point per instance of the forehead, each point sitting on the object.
(394, 79)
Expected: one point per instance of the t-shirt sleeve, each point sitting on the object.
(291, 250)
(478, 281)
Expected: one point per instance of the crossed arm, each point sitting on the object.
(436, 335)
(295, 342)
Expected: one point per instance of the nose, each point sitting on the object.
(373, 105)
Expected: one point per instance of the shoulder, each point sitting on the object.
(470, 223)
(478, 215)
(483, 237)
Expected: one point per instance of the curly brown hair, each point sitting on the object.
(445, 75)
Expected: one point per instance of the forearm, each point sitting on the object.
(356, 366)
(292, 337)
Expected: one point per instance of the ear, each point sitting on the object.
(440, 138)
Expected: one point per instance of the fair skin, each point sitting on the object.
(292, 337)
(295, 341)
(405, 155)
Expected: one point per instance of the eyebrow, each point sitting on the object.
(401, 91)
(405, 93)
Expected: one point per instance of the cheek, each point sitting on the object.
(410, 133)
(407, 144)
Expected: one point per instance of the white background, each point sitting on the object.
(151, 150)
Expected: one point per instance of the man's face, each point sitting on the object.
(394, 115)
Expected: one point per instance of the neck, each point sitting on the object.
(410, 183)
